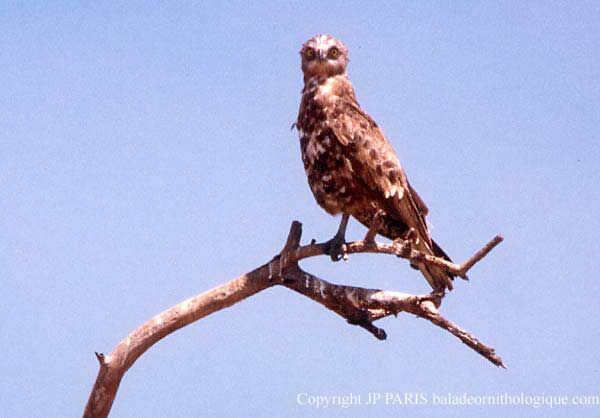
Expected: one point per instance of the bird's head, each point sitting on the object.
(323, 55)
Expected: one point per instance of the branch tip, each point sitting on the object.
(100, 357)
(377, 332)
(478, 256)
(294, 236)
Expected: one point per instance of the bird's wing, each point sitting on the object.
(376, 163)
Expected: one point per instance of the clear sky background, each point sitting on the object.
(146, 156)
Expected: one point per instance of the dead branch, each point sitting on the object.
(359, 306)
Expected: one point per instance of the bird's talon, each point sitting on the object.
(336, 249)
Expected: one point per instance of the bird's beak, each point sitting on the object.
(322, 54)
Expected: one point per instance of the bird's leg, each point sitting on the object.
(410, 234)
(409, 241)
(336, 246)
(374, 228)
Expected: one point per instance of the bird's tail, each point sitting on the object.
(437, 277)
(438, 252)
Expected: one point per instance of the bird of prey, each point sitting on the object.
(352, 168)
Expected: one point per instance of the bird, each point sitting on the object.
(352, 168)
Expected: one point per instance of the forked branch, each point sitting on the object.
(359, 306)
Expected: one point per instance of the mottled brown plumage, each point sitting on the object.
(351, 167)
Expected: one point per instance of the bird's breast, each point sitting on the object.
(329, 169)
(328, 166)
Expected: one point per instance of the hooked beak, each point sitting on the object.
(322, 54)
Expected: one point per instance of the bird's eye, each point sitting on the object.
(310, 53)
(334, 52)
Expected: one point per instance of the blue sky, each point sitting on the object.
(146, 156)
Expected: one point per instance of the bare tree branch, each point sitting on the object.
(359, 306)
(114, 365)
